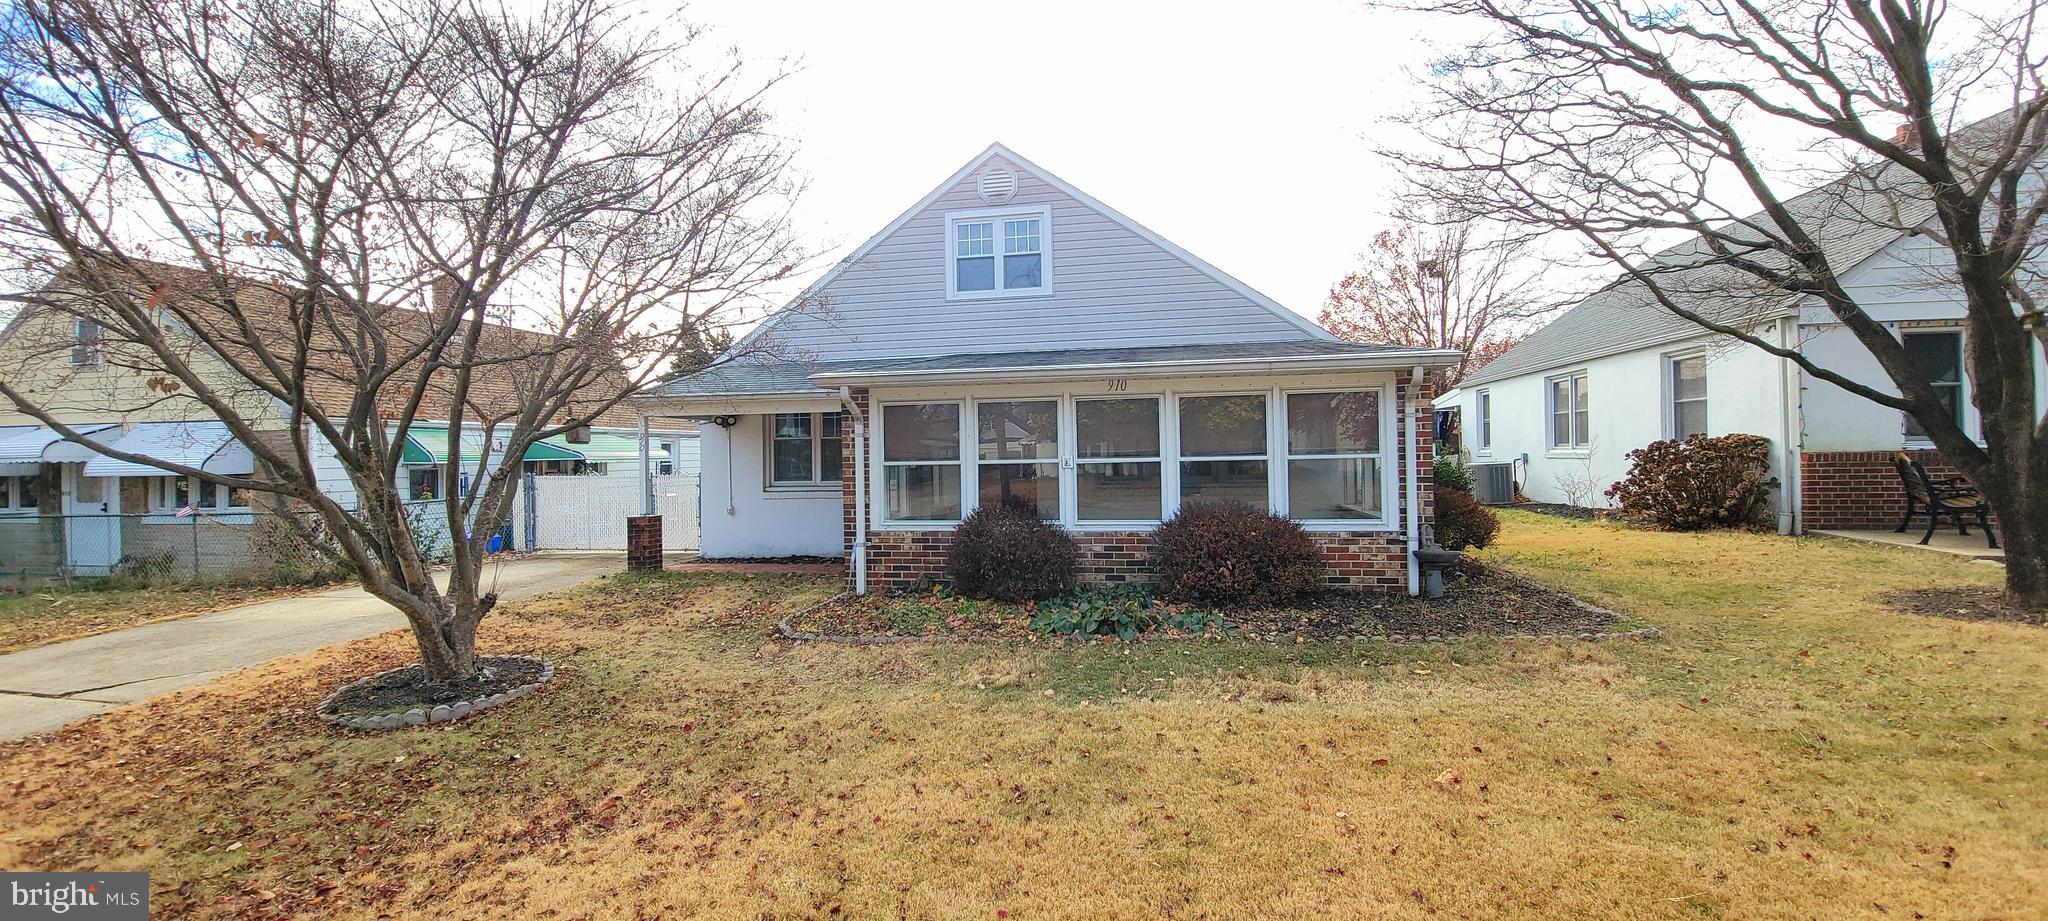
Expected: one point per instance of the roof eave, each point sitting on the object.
(1377, 361)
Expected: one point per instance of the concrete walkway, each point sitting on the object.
(1946, 540)
(48, 686)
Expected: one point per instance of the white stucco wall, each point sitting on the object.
(740, 516)
(1629, 408)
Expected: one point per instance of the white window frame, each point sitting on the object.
(817, 482)
(1671, 401)
(963, 459)
(87, 352)
(1966, 410)
(162, 498)
(13, 504)
(1061, 450)
(996, 216)
(1581, 441)
(665, 461)
(1390, 492)
(1070, 473)
(1274, 500)
(1482, 410)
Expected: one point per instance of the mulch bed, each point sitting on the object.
(403, 689)
(1478, 599)
(1971, 603)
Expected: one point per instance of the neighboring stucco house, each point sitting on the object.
(1618, 371)
(66, 508)
(1010, 339)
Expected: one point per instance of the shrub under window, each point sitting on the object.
(1225, 553)
(1008, 554)
(1697, 482)
(1461, 522)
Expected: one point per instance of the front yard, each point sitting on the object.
(32, 617)
(1788, 749)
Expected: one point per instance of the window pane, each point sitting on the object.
(1689, 418)
(922, 431)
(1212, 426)
(978, 274)
(1689, 379)
(1021, 236)
(792, 425)
(6, 492)
(1127, 491)
(1347, 487)
(181, 492)
(1580, 394)
(975, 239)
(828, 425)
(1333, 423)
(1025, 430)
(830, 460)
(792, 461)
(1241, 481)
(207, 492)
(1033, 488)
(1023, 271)
(924, 492)
(1117, 428)
(1939, 356)
(1561, 427)
(237, 497)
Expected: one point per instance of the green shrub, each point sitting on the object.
(1698, 482)
(1461, 522)
(1452, 473)
(1010, 555)
(1218, 553)
(1124, 611)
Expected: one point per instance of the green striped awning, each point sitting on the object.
(429, 445)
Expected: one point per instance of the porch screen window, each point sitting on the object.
(1939, 358)
(1223, 449)
(1018, 458)
(1688, 396)
(85, 343)
(921, 462)
(1117, 474)
(1570, 412)
(19, 493)
(1333, 455)
(175, 493)
(804, 449)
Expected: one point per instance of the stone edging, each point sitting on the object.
(788, 632)
(439, 713)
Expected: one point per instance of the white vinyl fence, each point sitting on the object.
(590, 512)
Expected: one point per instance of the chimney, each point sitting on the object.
(1908, 136)
(442, 298)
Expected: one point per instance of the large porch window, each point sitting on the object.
(921, 462)
(1127, 461)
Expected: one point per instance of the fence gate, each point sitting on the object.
(590, 512)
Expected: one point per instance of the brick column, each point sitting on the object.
(643, 543)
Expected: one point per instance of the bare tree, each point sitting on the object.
(1441, 284)
(274, 186)
(1627, 123)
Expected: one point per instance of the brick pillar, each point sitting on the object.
(643, 543)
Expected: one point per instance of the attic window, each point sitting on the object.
(997, 253)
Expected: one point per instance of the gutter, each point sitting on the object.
(859, 556)
(1414, 515)
(1370, 362)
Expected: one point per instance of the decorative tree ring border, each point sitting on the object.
(788, 632)
(439, 713)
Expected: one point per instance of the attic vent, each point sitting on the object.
(998, 186)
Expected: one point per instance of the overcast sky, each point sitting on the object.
(1240, 131)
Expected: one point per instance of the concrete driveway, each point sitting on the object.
(48, 686)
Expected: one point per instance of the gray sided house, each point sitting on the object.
(1011, 340)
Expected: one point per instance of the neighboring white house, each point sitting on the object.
(1010, 339)
(1618, 371)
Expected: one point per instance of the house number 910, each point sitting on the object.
(1119, 384)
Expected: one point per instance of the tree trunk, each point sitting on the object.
(2023, 532)
(447, 644)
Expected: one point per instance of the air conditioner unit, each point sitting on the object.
(1493, 484)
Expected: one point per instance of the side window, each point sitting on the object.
(1939, 357)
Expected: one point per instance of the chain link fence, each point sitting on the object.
(236, 545)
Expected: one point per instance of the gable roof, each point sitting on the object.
(1266, 318)
(1852, 218)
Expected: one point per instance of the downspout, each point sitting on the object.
(1414, 487)
(860, 491)
(1790, 430)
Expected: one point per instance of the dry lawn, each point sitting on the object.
(1789, 750)
(32, 617)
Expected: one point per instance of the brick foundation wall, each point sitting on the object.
(1858, 490)
(1356, 559)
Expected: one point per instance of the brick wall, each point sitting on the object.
(1858, 490)
(1356, 559)
(643, 543)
